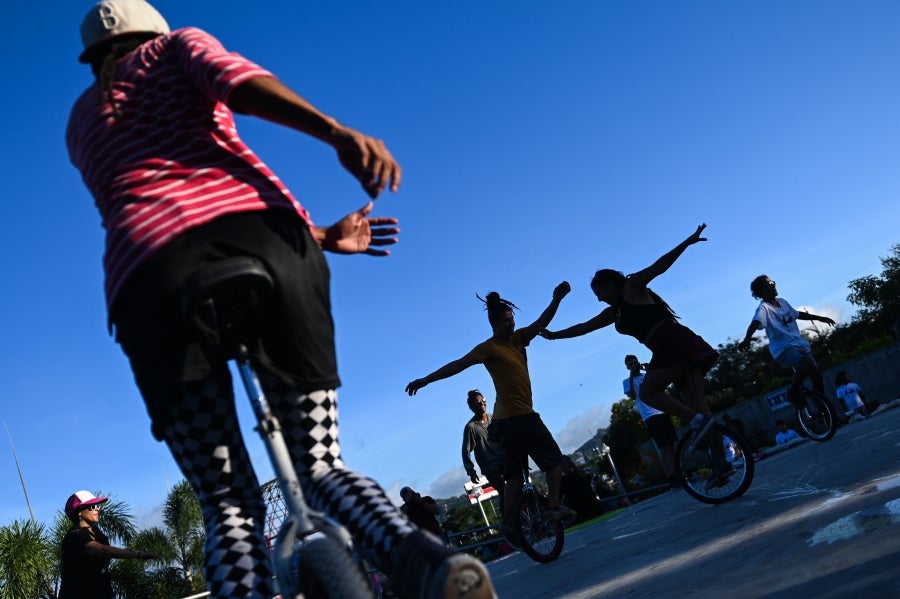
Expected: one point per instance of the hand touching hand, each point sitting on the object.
(354, 234)
(562, 290)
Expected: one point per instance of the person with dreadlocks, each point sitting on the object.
(680, 356)
(515, 425)
(177, 190)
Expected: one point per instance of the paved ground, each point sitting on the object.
(821, 519)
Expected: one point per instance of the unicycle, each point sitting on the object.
(816, 415)
(541, 538)
(717, 469)
(313, 554)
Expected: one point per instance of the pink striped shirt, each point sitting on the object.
(173, 159)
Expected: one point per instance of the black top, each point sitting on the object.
(637, 319)
(84, 576)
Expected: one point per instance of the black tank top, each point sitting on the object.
(638, 319)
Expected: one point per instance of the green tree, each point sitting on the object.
(26, 560)
(184, 530)
(878, 298)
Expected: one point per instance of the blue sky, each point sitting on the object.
(539, 142)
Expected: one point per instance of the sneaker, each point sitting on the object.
(563, 512)
(424, 568)
(700, 430)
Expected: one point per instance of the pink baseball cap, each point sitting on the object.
(82, 499)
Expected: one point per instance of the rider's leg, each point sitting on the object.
(807, 368)
(653, 393)
(554, 482)
(205, 440)
(418, 562)
(309, 422)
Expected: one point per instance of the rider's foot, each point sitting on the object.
(700, 425)
(563, 512)
(425, 568)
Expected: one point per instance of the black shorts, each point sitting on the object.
(661, 430)
(524, 436)
(297, 337)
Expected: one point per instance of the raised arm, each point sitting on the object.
(664, 262)
(531, 331)
(364, 157)
(605, 318)
(445, 371)
(808, 316)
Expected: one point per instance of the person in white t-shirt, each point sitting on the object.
(851, 394)
(785, 435)
(659, 424)
(786, 344)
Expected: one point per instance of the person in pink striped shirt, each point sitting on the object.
(177, 189)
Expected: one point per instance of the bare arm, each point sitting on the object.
(93, 548)
(531, 331)
(605, 318)
(364, 157)
(445, 371)
(808, 316)
(662, 264)
(754, 326)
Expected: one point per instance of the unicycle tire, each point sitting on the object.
(540, 539)
(714, 476)
(816, 416)
(327, 570)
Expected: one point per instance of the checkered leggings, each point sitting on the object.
(207, 444)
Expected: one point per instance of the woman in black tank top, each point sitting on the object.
(680, 356)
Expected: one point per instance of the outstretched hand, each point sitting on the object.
(354, 234)
(367, 159)
(414, 386)
(695, 237)
(546, 334)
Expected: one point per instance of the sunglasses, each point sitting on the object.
(93, 508)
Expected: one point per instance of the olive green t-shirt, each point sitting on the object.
(507, 363)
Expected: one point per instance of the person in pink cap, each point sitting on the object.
(86, 551)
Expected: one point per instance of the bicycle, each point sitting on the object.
(541, 538)
(313, 554)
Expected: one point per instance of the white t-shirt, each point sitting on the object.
(643, 409)
(781, 327)
(784, 437)
(849, 393)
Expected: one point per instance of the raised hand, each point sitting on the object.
(562, 290)
(354, 234)
(695, 237)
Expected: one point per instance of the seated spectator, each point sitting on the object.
(785, 434)
(851, 394)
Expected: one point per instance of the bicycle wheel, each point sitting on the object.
(541, 540)
(816, 416)
(327, 570)
(717, 469)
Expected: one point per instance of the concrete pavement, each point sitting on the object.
(820, 518)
